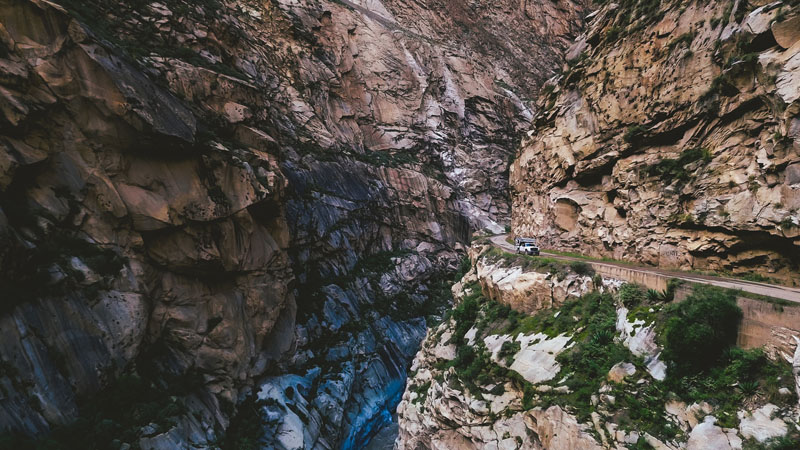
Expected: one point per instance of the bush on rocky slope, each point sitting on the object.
(698, 333)
(701, 328)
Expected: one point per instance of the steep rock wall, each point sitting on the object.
(222, 197)
(671, 138)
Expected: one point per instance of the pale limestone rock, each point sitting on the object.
(536, 360)
(557, 430)
(470, 335)
(760, 425)
(688, 416)
(758, 21)
(655, 443)
(796, 366)
(787, 33)
(580, 185)
(707, 435)
(528, 291)
(598, 428)
(445, 351)
(620, 371)
(498, 403)
(641, 340)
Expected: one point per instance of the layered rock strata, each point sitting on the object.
(671, 138)
(216, 196)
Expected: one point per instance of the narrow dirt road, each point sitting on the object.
(771, 290)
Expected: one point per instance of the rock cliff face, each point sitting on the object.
(233, 197)
(671, 138)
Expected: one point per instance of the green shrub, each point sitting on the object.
(672, 286)
(788, 442)
(613, 33)
(463, 268)
(655, 296)
(508, 350)
(634, 134)
(597, 281)
(675, 169)
(465, 315)
(684, 39)
(631, 295)
(581, 268)
(422, 391)
(720, 85)
(748, 388)
(247, 428)
(701, 328)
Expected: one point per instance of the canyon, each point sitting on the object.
(225, 202)
(263, 223)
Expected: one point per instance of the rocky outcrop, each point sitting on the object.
(438, 411)
(671, 139)
(507, 280)
(223, 195)
(491, 378)
(126, 237)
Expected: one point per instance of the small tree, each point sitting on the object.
(702, 328)
(631, 295)
(581, 268)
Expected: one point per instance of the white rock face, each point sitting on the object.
(760, 425)
(796, 367)
(687, 417)
(561, 431)
(706, 436)
(451, 416)
(444, 350)
(581, 133)
(536, 360)
(528, 291)
(641, 340)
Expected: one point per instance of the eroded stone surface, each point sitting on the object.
(240, 159)
(601, 172)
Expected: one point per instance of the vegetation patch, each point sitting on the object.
(684, 39)
(247, 429)
(388, 159)
(679, 169)
(700, 328)
(698, 335)
(634, 134)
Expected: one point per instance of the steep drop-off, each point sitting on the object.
(201, 201)
(672, 138)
